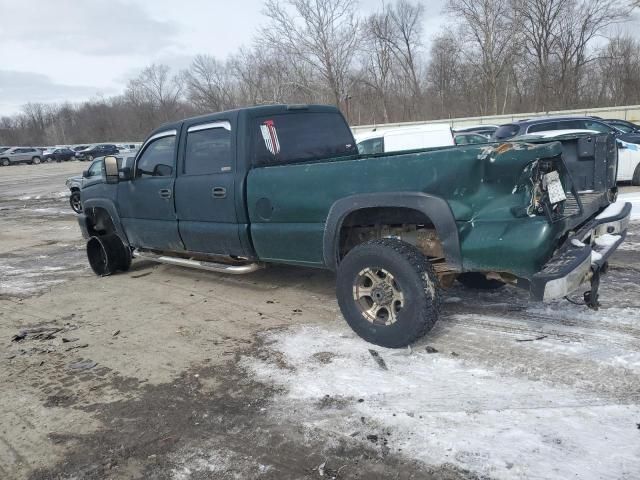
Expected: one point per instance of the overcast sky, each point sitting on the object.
(59, 50)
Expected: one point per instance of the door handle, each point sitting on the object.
(165, 193)
(219, 192)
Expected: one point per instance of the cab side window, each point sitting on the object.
(157, 159)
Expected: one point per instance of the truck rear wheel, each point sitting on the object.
(388, 292)
(107, 254)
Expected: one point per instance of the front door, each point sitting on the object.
(205, 190)
(146, 202)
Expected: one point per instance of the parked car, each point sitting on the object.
(623, 125)
(470, 138)
(92, 175)
(405, 138)
(14, 155)
(232, 191)
(629, 150)
(59, 155)
(486, 130)
(128, 147)
(99, 150)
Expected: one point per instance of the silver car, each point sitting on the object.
(28, 155)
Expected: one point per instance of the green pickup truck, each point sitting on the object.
(233, 191)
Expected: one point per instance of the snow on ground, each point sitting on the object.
(438, 408)
(634, 199)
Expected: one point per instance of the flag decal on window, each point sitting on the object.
(270, 136)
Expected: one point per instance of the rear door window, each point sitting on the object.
(208, 149)
(299, 137)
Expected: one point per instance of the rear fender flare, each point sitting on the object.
(111, 209)
(435, 208)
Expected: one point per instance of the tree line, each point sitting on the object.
(491, 57)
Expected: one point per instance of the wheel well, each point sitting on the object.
(74, 189)
(99, 222)
(406, 224)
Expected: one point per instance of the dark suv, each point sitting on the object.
(99, 150)
(545, 124)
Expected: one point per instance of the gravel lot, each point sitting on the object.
(166, 372)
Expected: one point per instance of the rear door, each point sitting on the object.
(146, 202)
(205, 189)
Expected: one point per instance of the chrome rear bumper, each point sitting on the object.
(584, 255)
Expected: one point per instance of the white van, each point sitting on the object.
(405, 138)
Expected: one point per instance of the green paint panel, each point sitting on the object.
(288, 205)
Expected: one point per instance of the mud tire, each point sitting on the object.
(107, 254)
(413, 274)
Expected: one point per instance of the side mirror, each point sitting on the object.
(111, 169)
(85, 174)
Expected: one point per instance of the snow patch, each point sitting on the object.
(634, 199)
(442, 410)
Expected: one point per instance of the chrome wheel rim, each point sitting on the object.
(76, 204)
(378, 296)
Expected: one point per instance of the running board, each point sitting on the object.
(201, 265)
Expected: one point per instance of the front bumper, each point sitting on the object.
(583, 256)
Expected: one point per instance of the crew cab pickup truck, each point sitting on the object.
(234, 191)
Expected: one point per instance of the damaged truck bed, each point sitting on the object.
(232, 191)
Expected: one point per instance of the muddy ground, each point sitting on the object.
(165, 372)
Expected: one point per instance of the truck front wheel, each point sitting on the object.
(388, 292)
(107, 254)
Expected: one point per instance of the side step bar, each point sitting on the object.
(202, 265)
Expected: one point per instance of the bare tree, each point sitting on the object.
(491, 30)
(398, 30)
(378, 57)
(541, 23)
(581, 24)
(208, 84)
(323, 34)
(156, 91)
(444, 71)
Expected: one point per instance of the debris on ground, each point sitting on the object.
(115, 333)
(541, 337)
(430, 349)
(83, 365)
(140, 275)
(69, 340)
(41, 332)
(379, 360)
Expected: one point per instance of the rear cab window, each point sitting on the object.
(301, 136)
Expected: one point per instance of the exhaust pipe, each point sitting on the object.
(199, 264)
